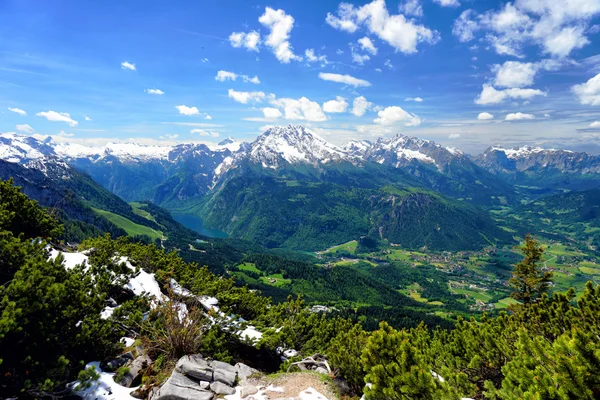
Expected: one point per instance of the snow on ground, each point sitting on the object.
(263, 393)
(128, 342)
(104, 388)
(251, 333)
(145, 283)
(311, 394)
(107, 312)
(70, 259)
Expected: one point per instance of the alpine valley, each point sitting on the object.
(400, 229)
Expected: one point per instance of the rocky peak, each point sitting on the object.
(293, 145)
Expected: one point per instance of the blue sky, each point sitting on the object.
(467, 74)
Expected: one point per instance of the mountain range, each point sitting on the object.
(291, 188)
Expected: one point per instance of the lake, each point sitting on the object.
(196, 224)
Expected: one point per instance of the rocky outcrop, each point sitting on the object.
(195, 378)
(135, 371)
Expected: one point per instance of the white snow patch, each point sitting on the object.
(105, 388)
(107, 312)
(251, 333)
(311, 394)
(70, 259)
(128, 342)
(454, 151)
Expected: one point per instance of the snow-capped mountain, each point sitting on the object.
(292, 145)
(402, 151)
(499, 160)
(357, 148)
(21, 149)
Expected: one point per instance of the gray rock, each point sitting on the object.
(195, 367)
(134, 376)
(221, 388)
(180, 387)
(321, 370)
(244, 371)
(224, 376)
(246, 391)
(113, 365)
(223, 365)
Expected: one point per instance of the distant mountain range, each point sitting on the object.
(294, 189)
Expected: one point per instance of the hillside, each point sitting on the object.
(313, 215)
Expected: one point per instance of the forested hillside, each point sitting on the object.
(544, 347)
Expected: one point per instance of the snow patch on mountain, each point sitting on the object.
(20, 149)
(293, 144)
(525, 151)
(125, 151)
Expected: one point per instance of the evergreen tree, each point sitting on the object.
(396, 367)
(528, 281)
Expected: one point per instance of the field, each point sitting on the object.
(276, 280)
(129, 226)
(138, 208)
(475, 294)
(349, 247)
(504, 303)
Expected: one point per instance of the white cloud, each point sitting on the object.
(154, 91)
(202, 132)
(58, 117)
(523, 94)
(417, 99)
(357, 58)
(388, 64)
(128, 65)
(204, 60)
(249, 40)
(271, 113)
(345, 20)
(339, 105)
(87, 118)
(588, 93)
(395, 114)
(489, 95)
(557, 27)
(301, 109)
(367, 45)
(17, 110)
(208, 117)
(360, 106)
(465, 27)
(595, 124)
(311, 57)
(485, 116)
(412, 7)
(454, 136)
(280, 25)
(246, 97)
(561, 43)
(25, 129)
(222, 76)
(402, 34)
(185, 110)
(515, 74)
(168, 137)
(518, 117)
(64, 134)
(345, 79)
(448, 3)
